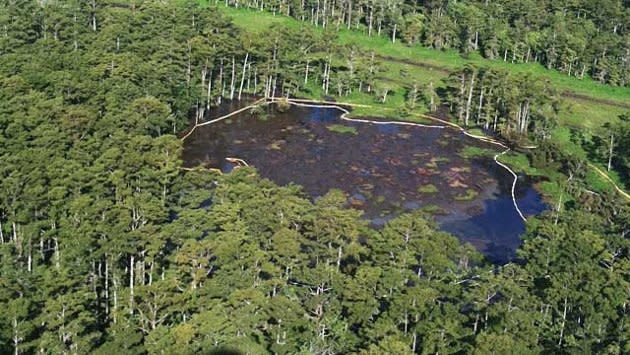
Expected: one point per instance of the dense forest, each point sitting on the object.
(497, 100)
(108, 246)
(577, 37)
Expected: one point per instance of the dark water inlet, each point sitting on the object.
(386, 169)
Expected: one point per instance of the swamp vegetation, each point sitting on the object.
(384, 168)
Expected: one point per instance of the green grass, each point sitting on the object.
(519, 163)
(562, 136)
(474, 152)
(553, 190)
(579, 112)
(596, 182)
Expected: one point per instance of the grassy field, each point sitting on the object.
(587, 105)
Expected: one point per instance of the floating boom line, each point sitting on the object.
(344, 116)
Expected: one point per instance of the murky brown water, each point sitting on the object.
(385, 169)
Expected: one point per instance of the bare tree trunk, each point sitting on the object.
(339, 255)
(57, 253)
(611, 150)
(529, 53)
(469, 101)
(115, 305)
(480, 104)
(564, 320)
(131, 282)
(240, 90)
(394, 33)
(332, 14)
(523, 117)
(106, 285)
(16, 337)
(151, 274)
(349, 14)
(413, 96)
(232, 81)
(371, 18)
(93, 15)
(29, 262)
(275, 86)
(414, 343)
(559, 207)
(406, 322)
(476, 45)
(209, 92)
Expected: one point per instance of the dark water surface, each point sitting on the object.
(385, 169)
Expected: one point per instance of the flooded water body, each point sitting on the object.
(385, 169)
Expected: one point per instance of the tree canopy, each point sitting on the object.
(108, 246)
(576, 37)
